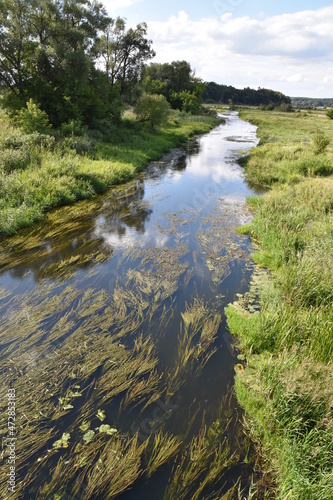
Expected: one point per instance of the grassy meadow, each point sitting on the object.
(39, 172)
(286, 387)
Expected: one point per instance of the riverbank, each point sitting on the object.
(286, 387)
(41, 172)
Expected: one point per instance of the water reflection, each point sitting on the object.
(79, 236)
(70, 238)
(138, 336)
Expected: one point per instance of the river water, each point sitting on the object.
(113, 315)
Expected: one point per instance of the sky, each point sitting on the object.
(281, 45)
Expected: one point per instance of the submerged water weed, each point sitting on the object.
(220, 243)
(195, 343)
(62, 375)
(162, 263)
(102, 468)
(56, 339)
(61, 343)
(205, 460)
(249, 303)
(164, 447)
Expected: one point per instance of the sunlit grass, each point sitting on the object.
(286, 387)
(290, 147)
(37, 174)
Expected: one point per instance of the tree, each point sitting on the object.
(48, 52)
(177, 82)
(124, 53)
(65, 80)
(16, 44)
(153, 108)
(190, 103)
(224, 93)
(32, 119)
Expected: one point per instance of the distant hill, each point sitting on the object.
(311, 102)
(226, 94)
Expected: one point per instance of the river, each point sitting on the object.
(114, 338)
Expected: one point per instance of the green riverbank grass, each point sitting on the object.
(291, 146)
(287, 385)
(38, 173)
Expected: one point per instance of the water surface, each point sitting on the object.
(112, 314)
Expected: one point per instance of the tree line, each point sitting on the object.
(70, 57)
(77, 63)
(226, 94)
(311, 102)
(67, 61)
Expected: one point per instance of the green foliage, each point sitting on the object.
(329, 113)
(177, 82)
(124, 53)
(190, 102)
(268, 99)
(287, 147)
(285, 107)
(311, 102)
(33, 119)
(153, 108)
(320, 142)
(51, 51)
(286, 387)
(73, 127)
(294, 422)
(38, 174)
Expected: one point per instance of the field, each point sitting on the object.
(40, 172)
(286, 387)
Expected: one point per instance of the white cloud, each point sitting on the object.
(289, 52)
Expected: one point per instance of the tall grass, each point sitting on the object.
(292, 145)
(38, 172)
(287, 385)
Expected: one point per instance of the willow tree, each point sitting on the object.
(124, 53)
(48, 52)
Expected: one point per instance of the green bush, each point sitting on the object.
(329, 113)
(320, 142)
(13, 159)
(73, 127)
(81, 145)
(32, 119)
(153, 108)
(315, 166)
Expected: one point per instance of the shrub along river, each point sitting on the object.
(113, 335)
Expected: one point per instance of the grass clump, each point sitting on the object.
(291, 146)
(320, 142)
(286, 386)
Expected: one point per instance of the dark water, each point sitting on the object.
(175, 227)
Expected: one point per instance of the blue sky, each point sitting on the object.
(284, 45)
(152, 10)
